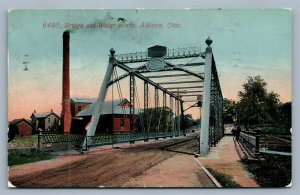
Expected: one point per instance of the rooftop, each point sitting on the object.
(118, 106)
(84, 100)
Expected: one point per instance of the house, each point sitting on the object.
(19, 128)
(48, 122)
(115, 116)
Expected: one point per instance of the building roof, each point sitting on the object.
(84, 100)
(17, 121)
(113, 106)
(43, 115)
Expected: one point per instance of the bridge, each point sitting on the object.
(191, 84)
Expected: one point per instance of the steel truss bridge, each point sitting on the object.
(191, 84)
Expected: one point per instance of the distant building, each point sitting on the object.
(79, 104)
(115, 116)
(20, 128)
(48, 122)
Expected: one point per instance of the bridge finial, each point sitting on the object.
(112, 56)
(208, 41)
(112, 51)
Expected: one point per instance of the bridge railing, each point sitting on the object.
(256, 144)
(251, 143)
(60, 141)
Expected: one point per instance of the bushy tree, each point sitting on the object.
(257, 105)
(188, 120)
(286, 114)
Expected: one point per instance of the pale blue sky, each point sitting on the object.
(247, 42)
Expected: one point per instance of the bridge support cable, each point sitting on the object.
(164, 112)
(172, 115)
(112, 103)
(160, 114)
(182, 126)
(132, 100)
(156, 98)
(178, 116)
(146, 103)
(151, 113)
(115, 74)
(139, 108)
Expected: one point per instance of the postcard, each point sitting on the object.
(149, 98)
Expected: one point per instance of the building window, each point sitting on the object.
(48, 120)
(79, 108)
(48, 128)
(122, 124)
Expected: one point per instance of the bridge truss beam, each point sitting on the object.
(211, 120)
(211, 123)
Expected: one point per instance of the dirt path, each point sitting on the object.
(135, 165)
(177, 171)
(225, 159)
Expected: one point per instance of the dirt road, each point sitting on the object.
(163, 163)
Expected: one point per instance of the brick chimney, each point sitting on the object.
(66, 110)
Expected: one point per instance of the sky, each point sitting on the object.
(246, 42)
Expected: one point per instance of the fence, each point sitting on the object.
(250, 143)
(60, 141)
(54, 141)
(71, 141)
(256, 144)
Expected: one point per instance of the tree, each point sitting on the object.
(156, 120)
(13, 131)
(286, 114)
(257, 105)
(229, 111)
(188, 120)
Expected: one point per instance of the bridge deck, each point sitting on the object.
(151, 164)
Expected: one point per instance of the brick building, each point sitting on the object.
(79, 104)
(114, 118)
(20, 128)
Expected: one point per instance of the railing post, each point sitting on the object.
(39, 137)
(257, 137)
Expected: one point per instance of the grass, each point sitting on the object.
(17, 157)
(275, 130)
(24, 142)
(272, 129)
(273, 171)
(223, 179)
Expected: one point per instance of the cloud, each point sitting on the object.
(247, 67)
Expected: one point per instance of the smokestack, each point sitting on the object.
(66, 111)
